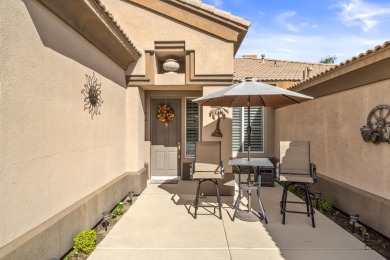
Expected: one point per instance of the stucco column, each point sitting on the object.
(209, 125)
(135, 129)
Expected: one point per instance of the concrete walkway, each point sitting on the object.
(157, 227)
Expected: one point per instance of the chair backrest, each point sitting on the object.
(295, 157)
(207, 155)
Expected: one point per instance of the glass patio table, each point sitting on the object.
(257, 164)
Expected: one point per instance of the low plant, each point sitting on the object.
(293, 189)
(363, 231)
(85, 242)
(119, 210)
(325, 204)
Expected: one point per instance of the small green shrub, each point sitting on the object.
(85, 242)
(67, 257)
(119, 210)
(293, 189)
(363, 231)
(325, 204)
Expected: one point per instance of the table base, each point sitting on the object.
(250, 216)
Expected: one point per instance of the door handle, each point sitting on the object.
(178, 150)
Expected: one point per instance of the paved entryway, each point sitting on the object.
(157, 228)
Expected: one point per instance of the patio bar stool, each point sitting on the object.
(295, 169)
(207, 167)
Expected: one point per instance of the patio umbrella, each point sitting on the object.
(251, 92)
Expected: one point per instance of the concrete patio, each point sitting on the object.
(159, 227)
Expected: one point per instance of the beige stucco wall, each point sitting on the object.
(58, 165)
(284, 84)
(52, 153)
(209, 125)
(213, 56)
(332, 124)
(135, 127)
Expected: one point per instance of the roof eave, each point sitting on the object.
(91, 20)
(231, 29)
(366, 68)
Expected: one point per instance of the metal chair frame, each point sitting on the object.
(196, 202)
(309, 207)
(213, 180)
(301, 184)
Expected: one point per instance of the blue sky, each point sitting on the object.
(308, 30)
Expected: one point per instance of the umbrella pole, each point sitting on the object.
(249, 130)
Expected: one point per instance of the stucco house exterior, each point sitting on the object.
(353, 171)
(80, 88)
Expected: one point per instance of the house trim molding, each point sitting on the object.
(92, 21)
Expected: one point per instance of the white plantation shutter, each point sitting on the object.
(192, 126)
(239, 125)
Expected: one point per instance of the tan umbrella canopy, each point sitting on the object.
(258, 93)
(251, 92)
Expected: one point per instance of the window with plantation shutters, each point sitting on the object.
(192, 127)
(239, 125)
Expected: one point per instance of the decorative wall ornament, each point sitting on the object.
(171, 66)
(165, 114)
(218, 112)
(92, 93)
(377, 129)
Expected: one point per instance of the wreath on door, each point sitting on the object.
(165, 114)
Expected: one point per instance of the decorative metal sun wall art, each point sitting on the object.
(92, 93)
(377, 129)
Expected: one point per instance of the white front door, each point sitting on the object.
(163, 160)
(165, 139)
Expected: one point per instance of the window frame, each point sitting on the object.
(185, 126)
(243, 131)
